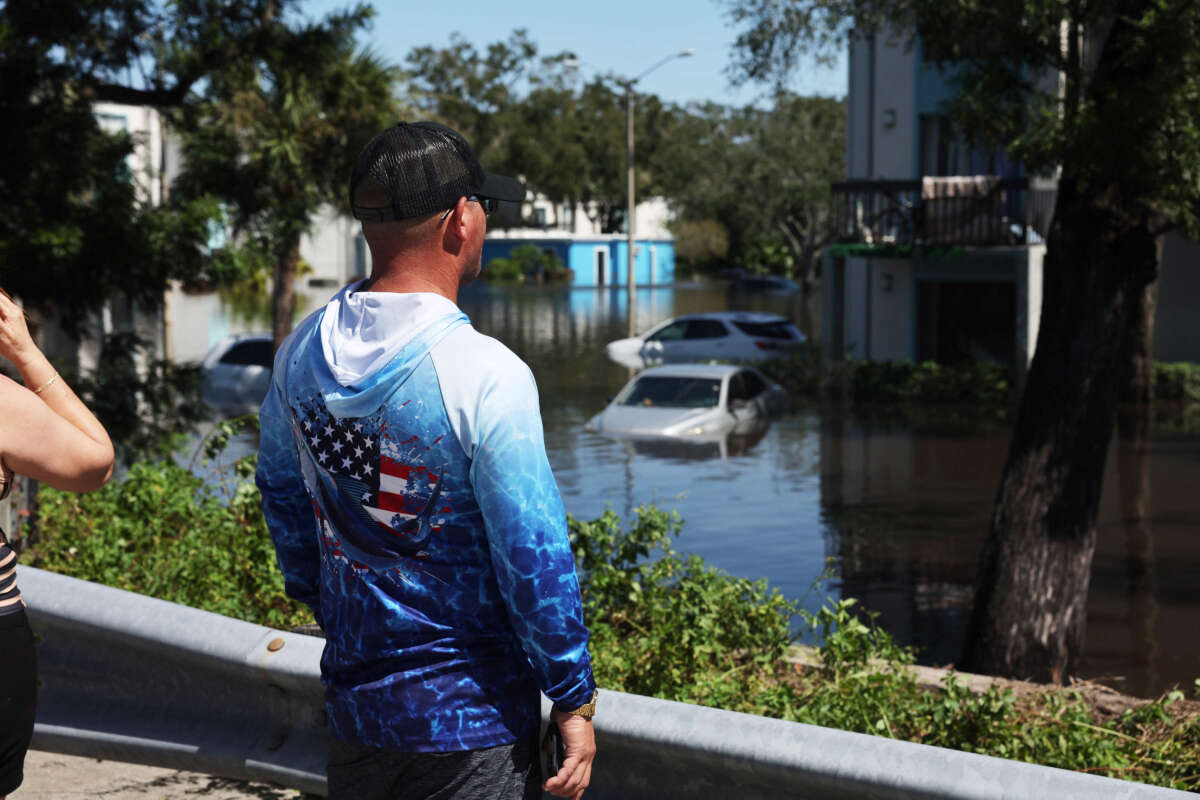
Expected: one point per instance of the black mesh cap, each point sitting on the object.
(418, 168)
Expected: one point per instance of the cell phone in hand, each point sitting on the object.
(553, 752)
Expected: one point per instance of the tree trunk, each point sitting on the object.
(283, 291)
(1030, 608)
(1137, 360)
(1133, 465)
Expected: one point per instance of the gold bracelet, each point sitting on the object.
(46, 385)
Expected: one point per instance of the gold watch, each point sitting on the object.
(588, 709)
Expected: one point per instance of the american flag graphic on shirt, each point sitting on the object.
(365, 462)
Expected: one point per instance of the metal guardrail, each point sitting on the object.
(130, 678)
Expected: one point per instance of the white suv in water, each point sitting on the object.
(237, 372)
(729, 335)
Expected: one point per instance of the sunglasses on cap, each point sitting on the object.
(487, 203)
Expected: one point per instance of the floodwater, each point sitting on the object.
(902, 507)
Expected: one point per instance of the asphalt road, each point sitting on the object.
(49, 776)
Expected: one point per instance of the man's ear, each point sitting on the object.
(457, 224)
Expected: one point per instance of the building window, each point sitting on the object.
(943, 151)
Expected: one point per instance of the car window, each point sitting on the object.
(737, 388)
(655, 391)
(676, 330)
(765, 330)
(706, 329)
(252, 352)
(754, 384)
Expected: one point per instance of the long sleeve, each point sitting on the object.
(286, 505)
(527, 535)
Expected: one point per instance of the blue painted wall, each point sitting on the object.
(654, 260)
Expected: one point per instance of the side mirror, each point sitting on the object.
(738, 405)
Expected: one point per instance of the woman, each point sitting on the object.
(47, 433)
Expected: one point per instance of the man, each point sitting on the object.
(405, 483)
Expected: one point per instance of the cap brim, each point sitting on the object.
(501, 187)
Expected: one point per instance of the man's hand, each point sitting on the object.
(576, 771)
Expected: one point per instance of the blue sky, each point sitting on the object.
(621, 36)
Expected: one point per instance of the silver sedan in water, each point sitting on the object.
(741, 335)
(691, 400)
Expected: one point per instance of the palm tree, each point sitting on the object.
(275, 137)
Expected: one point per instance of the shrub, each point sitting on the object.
(864, 383)
(162, 531)
(1177, 382)
(527, 261)
(664, 624)
(670, 626)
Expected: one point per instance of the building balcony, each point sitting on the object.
(974, 210)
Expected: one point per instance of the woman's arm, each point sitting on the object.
(46, 432)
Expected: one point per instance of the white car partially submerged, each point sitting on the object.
(691, 400)
(724, 335)
(237, 372)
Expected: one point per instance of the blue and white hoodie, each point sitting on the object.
(406, 487)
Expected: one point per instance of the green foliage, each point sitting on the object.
(862, 383)
(77, 228)
(526, 262)
(763, 174)
(161, 531)
(1112, 103)
(1177, 383)
(146, 411)
(702, 241)
(670, 626)
(980, 385)
(769, 256)
(666, 625)
(274, 134)
(975, 382)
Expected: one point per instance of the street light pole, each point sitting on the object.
(630, 199)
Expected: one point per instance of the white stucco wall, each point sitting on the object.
(144, 126)
(892, 309)
(855, 334)
(895, 108)
(330, 249)
(858, 109)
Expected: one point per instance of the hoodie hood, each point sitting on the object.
(372, 341)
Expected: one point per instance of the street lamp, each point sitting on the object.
(629, 174)
(628, 85)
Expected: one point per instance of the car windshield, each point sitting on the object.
(671, 392)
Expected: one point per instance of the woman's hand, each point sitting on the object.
(15, 342)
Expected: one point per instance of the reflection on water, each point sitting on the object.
(909, 510)
(903, 507)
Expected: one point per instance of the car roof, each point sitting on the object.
(691, 370)
(737, 316)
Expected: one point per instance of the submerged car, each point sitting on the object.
(691, 400)
(726, 335)
(237, 372)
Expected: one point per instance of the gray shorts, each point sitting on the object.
(361, 772)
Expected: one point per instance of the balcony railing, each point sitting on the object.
(979, 210)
